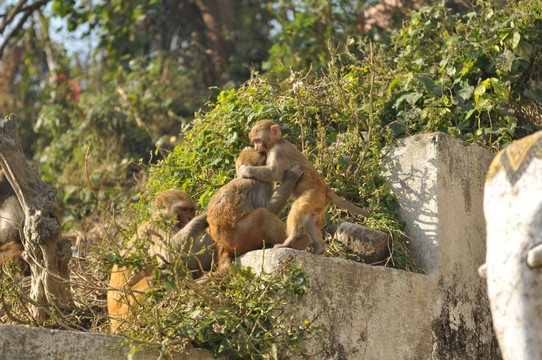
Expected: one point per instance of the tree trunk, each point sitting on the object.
(46, 252)
(221, 18)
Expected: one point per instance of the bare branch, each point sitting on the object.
(28, 11)
(9, 17)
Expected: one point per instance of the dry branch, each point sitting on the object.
(46, 252)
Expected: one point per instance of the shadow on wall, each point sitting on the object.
(413, 187)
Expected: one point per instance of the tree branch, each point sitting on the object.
(9, 17)
(28, 11)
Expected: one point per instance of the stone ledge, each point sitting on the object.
(23, 343)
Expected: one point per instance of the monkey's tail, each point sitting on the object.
(345, 204)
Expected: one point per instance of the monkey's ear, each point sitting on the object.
(275, 131)
(159, 202)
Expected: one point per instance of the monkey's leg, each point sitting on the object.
(313, 225)
(126, 287)
(202, 261)
(224, 261)
(307, 211)
(11, 251)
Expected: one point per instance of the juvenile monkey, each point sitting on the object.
(311, 193)
(170, 205)
(242, 215)
(11, 219)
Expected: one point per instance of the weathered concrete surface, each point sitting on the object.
(23, 343)
(513, 210)
(370, 312)
(382, 313)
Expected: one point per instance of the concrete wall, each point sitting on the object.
(23, 343)
(381, 313)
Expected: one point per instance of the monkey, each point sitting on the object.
(11, 219)
(125, 286)
(312, 195)
(242, 215)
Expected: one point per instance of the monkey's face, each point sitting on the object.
(259, 144)
(264, 135)
(183, 214)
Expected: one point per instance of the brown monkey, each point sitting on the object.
(311, 193)
(242, 215)
(169, 205)
(11, 219)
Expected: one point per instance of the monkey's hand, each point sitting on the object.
(283, 192)
(293, 174)
(244, 171)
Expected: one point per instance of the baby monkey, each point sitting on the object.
(311, 193)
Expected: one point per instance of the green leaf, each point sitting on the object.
(515, 40)
(480, 89)
(413, 97)
(427, 82)
(465, 93)
(170, 286)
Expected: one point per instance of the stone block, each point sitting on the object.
(22, 343)
(372, 246)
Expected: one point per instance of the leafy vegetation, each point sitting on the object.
(475, 75)
(244, 315)
(149, 117)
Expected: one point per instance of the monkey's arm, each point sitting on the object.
(192, 230)
(273, 171)
(283, 192)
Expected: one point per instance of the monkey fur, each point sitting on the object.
(11, 220)
(127, 286)
(242, 215)
(311, 193)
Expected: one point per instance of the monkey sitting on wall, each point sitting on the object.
(242, 215)
(127, 286)
(311, 192)
(11, 219)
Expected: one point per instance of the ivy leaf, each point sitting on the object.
(413, 97)
(170, 286)
(480, 89)
(410, 98)
(465, 93)
(515, 40)
(535, 95)
(427, 82)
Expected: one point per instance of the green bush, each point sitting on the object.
(475, 75)
(243, 316)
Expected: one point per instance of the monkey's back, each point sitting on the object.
(311, 179)
(235, 200)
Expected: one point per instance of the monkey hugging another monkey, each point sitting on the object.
(242, 215)
(311, 193)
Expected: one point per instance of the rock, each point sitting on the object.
(372, 246)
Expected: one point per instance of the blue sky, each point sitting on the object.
(58, 33)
